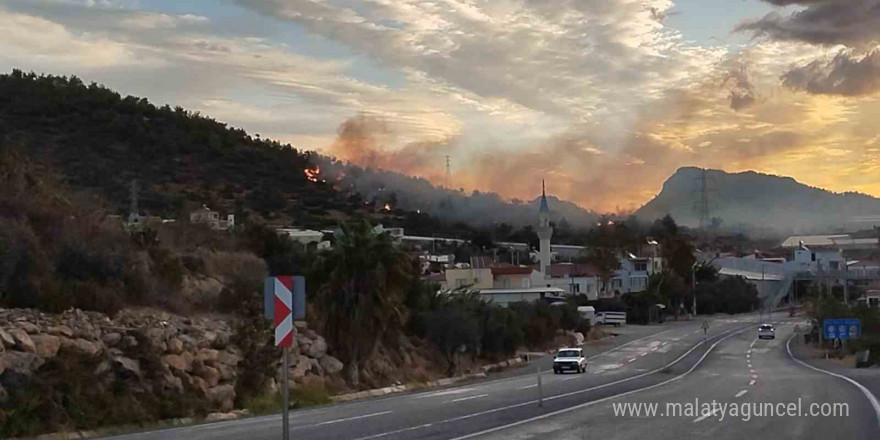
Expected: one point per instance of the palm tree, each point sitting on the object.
(362, 296)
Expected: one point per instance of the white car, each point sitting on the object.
(766, 331)
(571, 359)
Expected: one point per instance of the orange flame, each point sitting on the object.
(387, 207)
(312, 173)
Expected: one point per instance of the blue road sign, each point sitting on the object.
(296, 285)
(841, 328)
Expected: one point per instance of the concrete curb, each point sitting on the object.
(434, 383)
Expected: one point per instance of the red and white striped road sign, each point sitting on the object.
(283, 308)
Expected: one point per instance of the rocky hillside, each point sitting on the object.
(757, 203)
(141, 366)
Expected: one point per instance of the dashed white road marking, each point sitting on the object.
(330, 422)
(706, 416)
(751, 382)
(754, 376)
(751, 371)
(631, 360)
(534, 385)
(644, 354)
(666, 342)
(572, 377)
(741, 393)
(753, 343)
(468, 398)
(748, 356)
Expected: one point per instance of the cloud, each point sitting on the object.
(853, 23)
(742, 92)
(37, 40)
(852, 27)
(842, 75)
(577, 60)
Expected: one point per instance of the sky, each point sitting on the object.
(602, 98)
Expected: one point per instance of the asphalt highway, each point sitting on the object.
(668, 363)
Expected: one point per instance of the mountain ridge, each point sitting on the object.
(758, 202)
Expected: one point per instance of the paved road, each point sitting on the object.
(740, 370)
(624, 364)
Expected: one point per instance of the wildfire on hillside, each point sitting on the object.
(387, 207)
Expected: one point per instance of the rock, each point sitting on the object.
(128, 366)
(310, 380)
(331, 365)
(177, 362)
(300, 325)
(172, 382)
(222, 397)
(129, 341)
(226, 372)
(207, 340)
(46, 345)
(201, 385)
(222, 340)
(219, 416)
(23, 342)
(6, 339)
(210, 374)
(228, 358)
(3, 364)
(315, 367)
(156, 338)
(318, 348)
(170, 332)
(23, 363)
(102, 368)
(60, 330)
(207, 354)
(175, 346)
(111, 339)
(4, 395)
(29, 327)
(81, 347)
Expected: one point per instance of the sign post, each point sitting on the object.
(284, 301)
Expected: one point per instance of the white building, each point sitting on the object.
(212, 219)
(303, 236)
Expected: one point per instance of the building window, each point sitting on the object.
(833, 265)
(575, 288)
(813, 256)
(505, 283)
(461, 282)
(641, 267)
(618, 282)
(525, 282)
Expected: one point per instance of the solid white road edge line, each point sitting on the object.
(605, 399)
(871, 398)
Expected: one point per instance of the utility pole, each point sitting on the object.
(448, 172)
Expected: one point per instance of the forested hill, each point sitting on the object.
(759, 203)
(101, 141)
